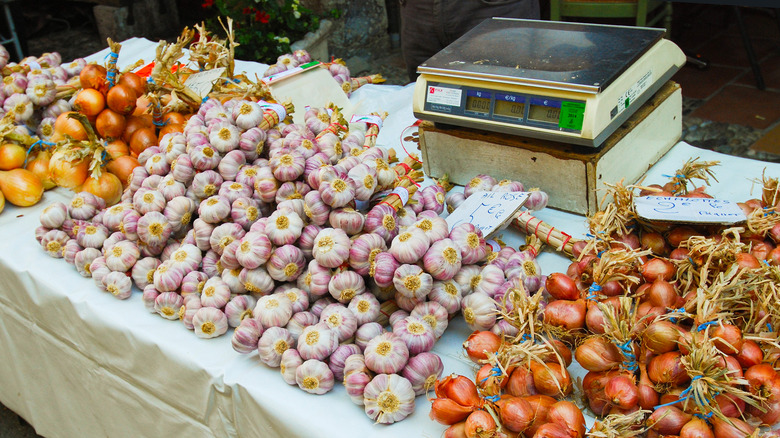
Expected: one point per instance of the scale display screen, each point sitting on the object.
(515, 108)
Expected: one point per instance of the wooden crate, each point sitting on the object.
(572, 176)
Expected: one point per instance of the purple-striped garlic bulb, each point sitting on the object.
(187, 311)
(234, 190)
(406, 217)
(246, 335)
(479, 311)
(406, 303)
(470, 242)
(204, 157)
(382, 220)
(314, 377)
(69, 251)
(170, 188)
(366, 308)
(99, 270)
(118, 284)
(537, 200)
(245, 211)
(316, 279)
(83, 259)
(454, 200)
(41, 91)
(84, 206)
(298, 298)
(347, 219)
(230, 164)
(447, 294)
(149, 296)
(123, 256)
(225, 234)
(290, 362)
(365, 180)
(336, 189)
(433, 198)
(330, 145)
(412, 282)
(272, 344)
(273, 310)
(383, 269)
(19, 106)
(287, 166)
(388, 398)
(216, 293)
(146, 200)
(92, 235)
(316, 211)
(338, 358)
(256, 281)
(299, 321)
(434, 314)
(367, 332)
(224, 137)
(317, 341)
(345, 285)
(491, 278)
(232, 277)
(292, 190)
(355, 384)
(214, 209)
(418, 336)
(228, 258)
(468, 277)
(286, 263)
(205, 184)
(156, 164)
(386, 353)
(364, 250)
(410, 245)
(253, 250)
(422, 371)
(331, 247)
(193, 283)
(168, 277)
(284, 227)
(247, 114)
(167, 305)
(480, 183)
(182, 169)
(210, 264)
(339, 319)
(443, 260)
(209, 322)
(506, 185)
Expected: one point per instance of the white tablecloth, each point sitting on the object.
(78, 362)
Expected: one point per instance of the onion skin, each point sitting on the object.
(749, 261)
(737, 428)
(661, 337)
(460, 389)
(121, 98)
(94, 76)
(763, 381)
(552, 430)
(661, 293)
(622, 392)
(89, 102)
(568, 415)
(480, 344)
(656, 243)
(21, 187)
(516, 413)
(68, 174)
(107, 186)
(132, 80)
(12, 156)
(448, 412)
(750, 354)
(65, 125)
(667, 368)
(479, 423)
(545, 378)
(123, 167)
(39, 165)
(567, 314)
(117, 148)
(648, 397)
(520, 383)
(135, 123)
(110, 124)
(456, 431)
(696, 428)
(727, 338)
(598, 354)
(142, 139)
(657, 268)
(561, 287)
(540, 406)
(668, 420)
(680, 234)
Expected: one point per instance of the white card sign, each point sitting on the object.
(202, 82)
(488, 211)
(697, 210)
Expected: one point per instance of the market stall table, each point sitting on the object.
(78, 362)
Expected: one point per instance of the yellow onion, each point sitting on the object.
(39, 165)
(598, 354)
(446, 411)
(132, 80)
(123, 167)
(696, 428)
(65, 173)
(110, 124)
(668, 420)
(89, 102)
(69, 126)
(11, 156)
(661, 337)
(733, 428)
(551, 379)
(479, 424)
(516, 413)
(21, 187)
(107, 186)
(481, 343)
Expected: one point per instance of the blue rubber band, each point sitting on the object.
(47, 143)
(493, 398)
(683, 395)
(600, 253)
(703, 326)
(589, 236)
(769, 327)
(204, 100)
(674, 319)
(630, 362)
(150, 80)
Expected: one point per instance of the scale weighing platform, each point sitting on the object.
(567, 82)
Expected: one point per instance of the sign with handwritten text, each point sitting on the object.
(488, 211)
(202, 82)
(698, 210)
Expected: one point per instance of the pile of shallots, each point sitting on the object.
(217, 236)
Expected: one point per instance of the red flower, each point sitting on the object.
(246, 11)
(262, 17)
(207, 3)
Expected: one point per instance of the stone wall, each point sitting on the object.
(360, 31)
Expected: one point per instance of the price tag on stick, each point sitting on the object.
(488, 211)
(690, 210)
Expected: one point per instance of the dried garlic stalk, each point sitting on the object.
(619, 426)
(692, 169)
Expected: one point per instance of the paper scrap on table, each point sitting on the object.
(488, 211)
(202, 82)
(693, 210)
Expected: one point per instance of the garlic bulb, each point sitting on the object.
(306, 241)
(406, 217)
(386, 353)
(383, 269)
(157, 165)
(99, 270)
(188, 310)
(314, 377)
(202, 233)
(224, 137)
(415, 333)
(331, 247)
(112, 217)
(256, 281)
(146, 200)
(345, 285)
(317, 212)
(434, 314)
(153, 229)
(480, 183)
(286, 263)
(246, 336)
(84, 205)
(118, 284)
(479, 311)
(92, 235)
(491, 278)
(84, 259)
(287, 166)
(247, 114)
(273, 310)
(167, 305)
(412, 282)
(469, 240)
(272, 344)
(382, 221)
(284, 227)
(123, 256)
(347, 219)
(149, 297)
(209, 322)
(182, 169)
(355, 384)
(406, 303)
(205, 184)
(454, 200)
(170, 188)
(193, 283)
(54, 215)
(254, 249)
(214, 209)
(338, 358)
(298, 298)
(433, 198)
(339, 319)
(537, 200)
(366, 308)
(365, 179)
(367, 332)
(266, 184)
(234, 190)
(317, 341)
(187, 256)
(230, 164)
(292, 190)
(228, 258)
(336, 189)
(468, 277)
(225, 234)
(422, 371)
(388, 398)
(245, 212)
(316, 279)
(300, 321)
(210, 264)
(168, 277)
(216, 293)
(410, 245)
(290, 362)
(364, 250)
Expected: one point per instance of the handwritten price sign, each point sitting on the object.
(488, 211)
(698, 210)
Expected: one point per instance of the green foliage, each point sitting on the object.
(264, 28)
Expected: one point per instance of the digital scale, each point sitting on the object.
(566, 82)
